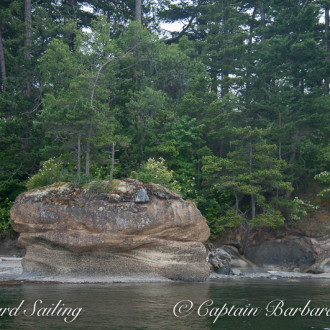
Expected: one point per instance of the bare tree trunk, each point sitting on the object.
(280, 139)
(73, 4)
(50, 10)
(248, 71)
(138, 10)
(253, 206)
(112, 162)
(253, 201)
(221, 146)
(327, 45)
(248, 225)
(236, 202)
(253, 209)
(250, 160)
(88, 149)
(294, 146)
(224, 86)
(246, 237)
(263, 17)
(267, 78)
(2, 63)
(27, 42)
(79, 155)
(293, 155)
(214, 81)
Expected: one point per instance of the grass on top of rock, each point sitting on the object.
(100, 187)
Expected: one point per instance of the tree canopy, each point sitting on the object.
(235, 104)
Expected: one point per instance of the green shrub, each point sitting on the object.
(294, 209)
(80, 181)
(301, 208)
(156, 172)
(49, 173)
(324, 178)
(229, 220)
(5, 227)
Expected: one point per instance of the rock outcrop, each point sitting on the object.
(303, 245)
(291, 252)
(285, 249)
(291, 248)
(129, 229)
(227, 260)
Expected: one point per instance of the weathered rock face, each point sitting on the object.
(303, 245)
(228, 261)
(307, 254)
(133, 229)
(286, 249)
(291, 252)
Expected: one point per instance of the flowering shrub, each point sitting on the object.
(324, 178)
(156, 172)
(50, 172)
(300, 208)
(187, 185)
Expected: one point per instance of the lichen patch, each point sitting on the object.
(58, 188)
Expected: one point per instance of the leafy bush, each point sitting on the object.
(5, 227)
(294, 209)
(80, 181)
(300, 208)
(215, 207)
(51, 171)
(156, 172)
(270, 216)
(229, 220)
(324, 178)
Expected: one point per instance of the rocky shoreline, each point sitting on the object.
(273, 275)
(10, 269)
(11, 272)
(136, 232)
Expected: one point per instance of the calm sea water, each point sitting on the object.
(150, 306)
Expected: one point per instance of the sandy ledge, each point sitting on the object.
(11, 271)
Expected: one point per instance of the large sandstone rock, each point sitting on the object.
(130, 229)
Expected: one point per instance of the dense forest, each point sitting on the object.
(232, 111)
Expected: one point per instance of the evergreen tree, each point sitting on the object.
(251, 171)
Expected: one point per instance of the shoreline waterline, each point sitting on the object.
(11, 272)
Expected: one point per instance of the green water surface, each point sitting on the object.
(150, 306)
